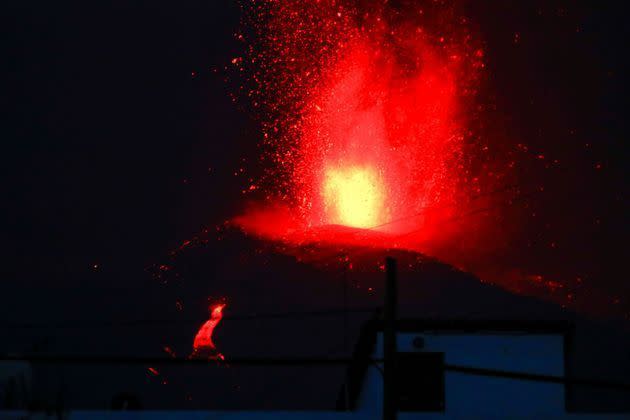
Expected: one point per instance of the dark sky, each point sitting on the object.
(104, 124)
(119, 141)
(557, 74)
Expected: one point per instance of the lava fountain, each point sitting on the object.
(353, 196)
(364, 116)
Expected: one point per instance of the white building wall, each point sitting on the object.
(473, 396)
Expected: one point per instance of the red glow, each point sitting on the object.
(374, 133)
(379, 142)
(353, 196)
(364, 119)
(203, 340)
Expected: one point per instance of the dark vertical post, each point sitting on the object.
(345, 307)
(345, 329)
(389, 339)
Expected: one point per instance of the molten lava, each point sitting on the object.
(354, 196)
(365, 123)
(203, 344)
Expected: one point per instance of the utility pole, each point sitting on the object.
(390, 396)
(345, 304)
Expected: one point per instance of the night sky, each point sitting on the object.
(121, 140)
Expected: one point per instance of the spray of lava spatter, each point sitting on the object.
(364, 106)
(372, 131)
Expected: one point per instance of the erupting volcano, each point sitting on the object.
(365, 121)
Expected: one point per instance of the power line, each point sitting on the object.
(425, 209)
(473, 212)
(296, 362)
(148, 322)
(133, 360)
(597, 383)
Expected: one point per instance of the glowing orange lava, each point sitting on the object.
(366, 123)
(353, 196)
(203, 343)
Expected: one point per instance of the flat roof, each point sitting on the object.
(366, 343)
(460, 325)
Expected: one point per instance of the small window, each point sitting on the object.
(420, 381)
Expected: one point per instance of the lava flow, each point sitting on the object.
(365, 123)
(203, 344)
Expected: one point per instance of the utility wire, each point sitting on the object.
(596, 383)
(127, 360)
(426, 209)
(294, 362)
(145, 322)
(474, 212)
